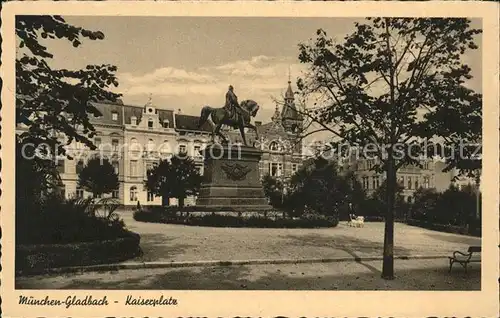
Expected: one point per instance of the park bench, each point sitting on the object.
(473, 255)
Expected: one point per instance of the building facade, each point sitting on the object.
(135, 138)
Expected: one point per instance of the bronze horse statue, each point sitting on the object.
(235, 119)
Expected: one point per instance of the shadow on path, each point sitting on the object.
(460, 239)
(350, 244)
(156, 247)
(349, 276)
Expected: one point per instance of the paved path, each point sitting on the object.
(168, 242)
(410, 275)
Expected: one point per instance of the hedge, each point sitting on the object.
(474, 230)
(34, 259)
(218, 220)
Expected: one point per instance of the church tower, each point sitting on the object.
(290, 118)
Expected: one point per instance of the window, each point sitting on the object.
(150, 123)
(151, 145)
(401, 180)
(378, 182)
(62, 190)
(366, 183)
(409, 183)
(114, 144)
(426, 182)
(150, 196)
(295, 167)
(374, 182)
(133, 120)
(133, 193)
(115, 194)
(370, 163)
(149, 167)
(60, 166)
(79, 166)
(197, 150)
(166, 123)
(97, 141)
(114, 116)
(416, 183)
(133, 168)
(79, 193)
(182, 148)
(409, 199)
(275, 169)
(116, 165)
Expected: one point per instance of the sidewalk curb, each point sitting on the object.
(181, 264)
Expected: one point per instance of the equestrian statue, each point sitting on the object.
(232, 114)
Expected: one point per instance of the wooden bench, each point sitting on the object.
(473, 255)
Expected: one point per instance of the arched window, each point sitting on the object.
(150, 123)
(151, 145)
(133, 193)
(165, 147)
(274, 146)
(134, 145)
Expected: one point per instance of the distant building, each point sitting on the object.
(412, 177)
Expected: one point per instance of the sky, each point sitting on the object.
(188, 62)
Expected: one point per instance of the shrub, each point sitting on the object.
(453, 207)
(62, 221)
(218, 220)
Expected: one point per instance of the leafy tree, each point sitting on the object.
(356, 194)
(177, 178)
(424, 203)
(378, 200)
(318, 186)
(52, 105)
(273, 189)
(98, 176)
(455, 206)
(393, 84)
(53, 102)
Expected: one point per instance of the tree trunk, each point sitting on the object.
(181, 202)
(388, 263)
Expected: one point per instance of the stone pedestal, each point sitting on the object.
(232, 179)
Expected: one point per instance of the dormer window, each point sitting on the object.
(133, 120)
(166, 123)
(150, 123)
(114, 116)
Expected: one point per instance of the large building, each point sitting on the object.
(135, 138)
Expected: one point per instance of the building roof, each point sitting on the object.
(125, 113)
(188, 122)
(107, 110)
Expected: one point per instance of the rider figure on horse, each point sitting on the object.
(232, 105)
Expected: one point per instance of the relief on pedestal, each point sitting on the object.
(235, 171)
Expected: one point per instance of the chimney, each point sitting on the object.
(258, 123)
